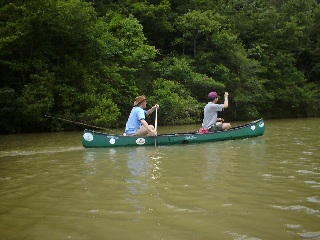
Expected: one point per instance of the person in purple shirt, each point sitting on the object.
(136, 124)
(210, 116)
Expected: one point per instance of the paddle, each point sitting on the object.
(155, 127)
(79, 123)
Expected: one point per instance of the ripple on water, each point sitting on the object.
(267, 175)
(28, 153)
(313, 199)
(307, 172)
(178, 209)
(314, 235)
(298, 208)
(237, 236)
(293, 226)
(315, 184)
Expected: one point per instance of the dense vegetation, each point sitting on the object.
(87, 60)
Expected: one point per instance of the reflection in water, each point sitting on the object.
(89, 157)
(213, 159)
(144, 165)
(139, 162)
(112, 154)
(139, 168)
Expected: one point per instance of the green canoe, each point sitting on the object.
(93, 139)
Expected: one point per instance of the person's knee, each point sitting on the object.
(141, 132)
(226, 126)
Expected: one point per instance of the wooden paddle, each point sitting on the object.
(79, 123)
(155, 127)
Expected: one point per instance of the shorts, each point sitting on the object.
(216, 128)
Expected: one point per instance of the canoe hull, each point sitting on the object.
(92, 139)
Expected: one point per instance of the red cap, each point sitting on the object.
(212, 95)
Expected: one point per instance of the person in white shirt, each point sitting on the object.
(211, 122)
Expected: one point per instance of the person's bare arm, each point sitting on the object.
(226, 102)
(152, 109)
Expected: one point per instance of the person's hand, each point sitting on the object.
(154, 133)
(226, 94)
(156, 106)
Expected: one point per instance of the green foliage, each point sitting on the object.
(288, 86)
(155, 19)
(8, 115)
(180, 70)
(177, 106)
(196, 28)
(35, 100)
(54, 54)
(126, 55)
(88, 60)
(103, 112)
(127, 35)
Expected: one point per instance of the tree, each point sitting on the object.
(178, 107)
(59, 58)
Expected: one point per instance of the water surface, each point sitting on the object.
(261, 188)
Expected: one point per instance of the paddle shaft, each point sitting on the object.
(155, 127)
(79, 123)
